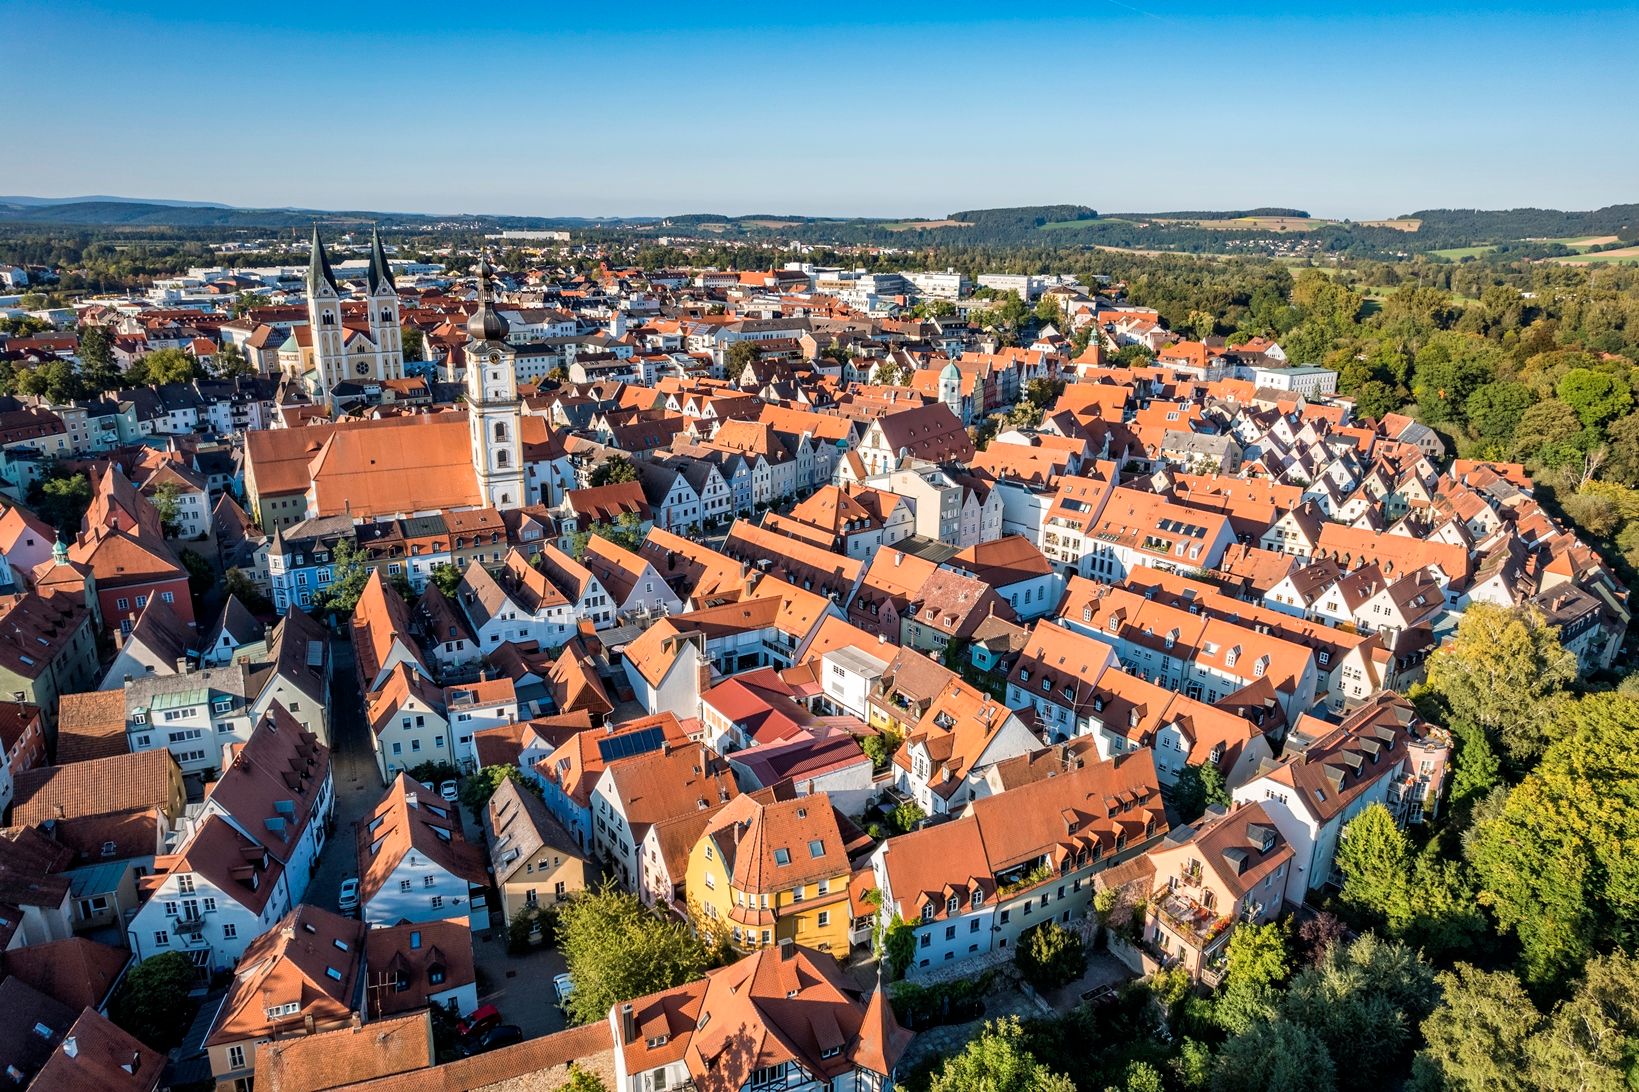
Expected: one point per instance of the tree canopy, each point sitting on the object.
(618, 949)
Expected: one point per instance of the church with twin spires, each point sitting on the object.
(371, 468)
(337, 347)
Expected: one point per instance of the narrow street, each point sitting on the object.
(353, 767)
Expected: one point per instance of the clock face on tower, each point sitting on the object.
(363, 367)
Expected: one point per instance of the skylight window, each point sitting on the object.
(782, 856)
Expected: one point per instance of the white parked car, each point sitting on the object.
(449, 791)
(349, 900)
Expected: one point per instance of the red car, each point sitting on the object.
(478, 1021)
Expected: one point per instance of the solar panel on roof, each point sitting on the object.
(633, 743)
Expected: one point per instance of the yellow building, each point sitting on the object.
(766, 871)
(536, 861)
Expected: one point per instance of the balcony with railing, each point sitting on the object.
(190, 932)
(1194, 923)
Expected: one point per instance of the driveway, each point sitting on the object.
(520, 986)
(353, 768)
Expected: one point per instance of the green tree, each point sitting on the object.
(165, 366)
(1549, 432)
(1553, 862)
(897, 946)
(1622, 450)
(348, 576)
(415, 345)
(167, 501)
(1049, 311)
(61, 499)
(1197, 787)
(613, 471)
(1478, 769)
(201, 574)
(905, 815)
(478, 786)
(1498, 670)
(96, 355)
(1592, 1039)
(56, 381)
(1494, 410)
(997, 1061)
(152, 1001)
(448, 579)
(1258, 961)
(1360, 1001)
(1375, 861)
(1477, 1039)
(739, 354)
(1141, 1076)
(582, 1080)
(231, 363)
(242, 588)
(626, 532)
(1596, 397)
(1049, 956)
(1274, 1056)
(617, 949)
(1374, 398)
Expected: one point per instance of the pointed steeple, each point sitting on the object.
(381, 273)
(486, 323)
(318, 266)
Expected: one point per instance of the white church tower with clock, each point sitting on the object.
(494, 411)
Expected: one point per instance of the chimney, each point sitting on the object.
(787, 948)
(71, 1047)
(628, 1025)
(62, 813)
(182, 665)
(412, 799)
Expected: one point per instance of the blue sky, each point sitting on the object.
(1362, 110)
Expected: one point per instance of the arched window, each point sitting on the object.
(501, 458)
(327, 319)
(386, 316)
(500, 432)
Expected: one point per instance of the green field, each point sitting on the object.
(1458, 253)
(1070, 225)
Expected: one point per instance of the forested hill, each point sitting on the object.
(1260, 231)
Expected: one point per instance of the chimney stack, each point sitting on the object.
(628, 1025)
(71, 1047)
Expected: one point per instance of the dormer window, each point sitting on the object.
(953, 904)
(977, 900)
(1113, 625)
(927, 912)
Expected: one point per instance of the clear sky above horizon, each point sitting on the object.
(917, 109)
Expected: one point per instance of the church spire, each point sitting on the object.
(486, 323)
(381, 273)
(318, 266)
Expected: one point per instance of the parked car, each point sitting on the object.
(500, 1035)
(478, 1021)
(349, 900)
(449, 791)
(565, 986)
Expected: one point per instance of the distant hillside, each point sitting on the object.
(104, 199)
(1526, 232)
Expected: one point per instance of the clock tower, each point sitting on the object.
(494, 411)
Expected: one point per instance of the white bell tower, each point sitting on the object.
(494, 412)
